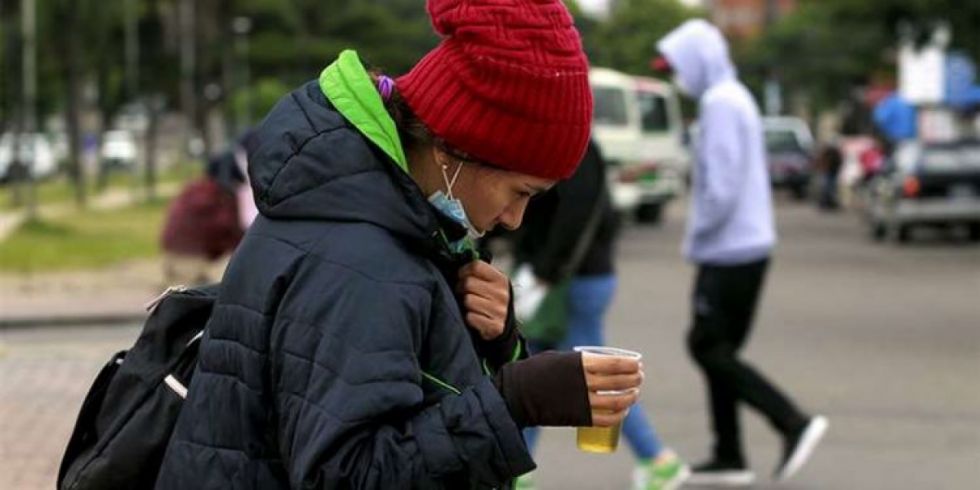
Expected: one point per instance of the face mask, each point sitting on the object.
(452, 207)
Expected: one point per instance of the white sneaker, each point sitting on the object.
(799, 448)
(722, 478)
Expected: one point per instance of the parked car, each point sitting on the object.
(637, 125)
(934, 184)
(789, 149)
(34, 148)
(118, 150)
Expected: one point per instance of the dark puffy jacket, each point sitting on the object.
(337, 356)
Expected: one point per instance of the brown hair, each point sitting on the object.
(412, 131)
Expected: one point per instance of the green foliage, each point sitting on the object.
(290, 42)
(294, 42)
(823, 49)
(262, 96)
(626, 41)
(827, 47)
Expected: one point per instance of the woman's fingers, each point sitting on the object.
(607, 419)
(488, 328)
(484, 306)
(612, 403)
(613, 384)
(616, 382)
(609, 365)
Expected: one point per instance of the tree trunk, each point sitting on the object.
(72, 85)
(29, 114)
(150, 175)
(188, 69)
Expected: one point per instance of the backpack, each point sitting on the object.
(127, 416)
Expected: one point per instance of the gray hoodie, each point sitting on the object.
(731, 220)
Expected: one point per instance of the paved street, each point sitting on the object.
(882, 339)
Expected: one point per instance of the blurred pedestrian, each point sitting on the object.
(202, 225)
(246, 201)
(730, 236)
(569, 236)
(358, 341)
(829, 161)
(895, 118)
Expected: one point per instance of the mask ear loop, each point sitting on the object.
(450, 182)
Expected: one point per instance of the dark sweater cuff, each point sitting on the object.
(546, 389)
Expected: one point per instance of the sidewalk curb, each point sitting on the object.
(15, 323)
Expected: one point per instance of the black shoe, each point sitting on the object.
(721, 473)
(798, 447)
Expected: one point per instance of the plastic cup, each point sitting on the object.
(602, 439)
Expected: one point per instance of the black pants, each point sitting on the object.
(724, 303)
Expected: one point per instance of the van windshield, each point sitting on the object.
(610, 106)
(782, 141)
(653, 112)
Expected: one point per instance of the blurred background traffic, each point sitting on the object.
(111, 109)
(871, 106)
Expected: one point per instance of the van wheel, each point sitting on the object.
(904, 234)
(799, 192)
(974, 233)
(650, 214)
(878, 231)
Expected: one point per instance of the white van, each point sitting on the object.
(638, 126)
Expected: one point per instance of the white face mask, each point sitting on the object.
(451, 207)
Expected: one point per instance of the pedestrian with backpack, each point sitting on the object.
(359, 340)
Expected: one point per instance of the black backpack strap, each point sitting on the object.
(178, 379)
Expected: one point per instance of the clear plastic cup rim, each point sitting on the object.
(600, 350)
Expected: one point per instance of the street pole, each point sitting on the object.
(132, 49)
(29, 26)
(72, 69)
(132, 53)
(241, 27)
(3, 79)
(773, 93)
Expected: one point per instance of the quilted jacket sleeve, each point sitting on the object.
(349, 395)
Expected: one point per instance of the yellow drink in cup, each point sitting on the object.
(602, 439)
(598, 439)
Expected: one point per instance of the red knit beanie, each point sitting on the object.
(508, 84)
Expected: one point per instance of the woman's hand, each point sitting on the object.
(614, 386)
(485, 293)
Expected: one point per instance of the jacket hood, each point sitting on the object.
(330, 151)
(699, 55)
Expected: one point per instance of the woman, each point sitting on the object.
(357, 341)
(570, 235)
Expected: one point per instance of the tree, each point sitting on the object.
(626, 40)
(827, 47)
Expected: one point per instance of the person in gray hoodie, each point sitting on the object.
(730, 236)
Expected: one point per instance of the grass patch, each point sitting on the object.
(84, 240)
(61, 190)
